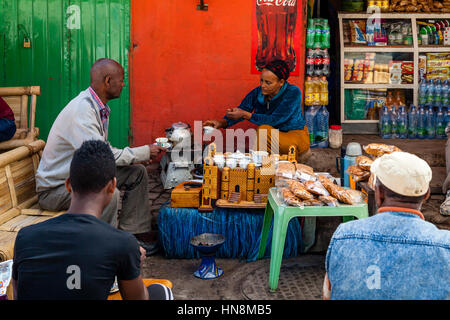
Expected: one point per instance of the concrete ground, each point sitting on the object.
(300, 277)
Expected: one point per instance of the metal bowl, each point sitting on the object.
(207, 243)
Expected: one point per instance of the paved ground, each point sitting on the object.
(300, 277)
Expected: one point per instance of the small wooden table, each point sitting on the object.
(282, 214)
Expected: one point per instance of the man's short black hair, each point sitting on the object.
(388, 193)
(92, 167)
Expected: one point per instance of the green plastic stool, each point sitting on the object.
(283, 214)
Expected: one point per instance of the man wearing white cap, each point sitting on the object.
(395, 254)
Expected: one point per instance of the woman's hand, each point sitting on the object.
(237, 114)
(216, 124)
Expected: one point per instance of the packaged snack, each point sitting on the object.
(364, 162)
(289, 198)
(315, 187)
(304, 173)
(395, 66)
(438, 63)
(357, 31)
(329, 201)
(407, 78)
(371, 182)
(395, 78)
(357, 173)
(336, 191)
(5, 275)
(285, 170)
(379, 149)
(312, 203)
(407, 67)
(357, 196)
(299, 190)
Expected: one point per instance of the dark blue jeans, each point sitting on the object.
(7, 129)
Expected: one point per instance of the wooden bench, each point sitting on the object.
(22, 101)
(18, 199)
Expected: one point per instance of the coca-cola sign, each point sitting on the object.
(276, 33)
(279, 3)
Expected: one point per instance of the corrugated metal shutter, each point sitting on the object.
(66, 37)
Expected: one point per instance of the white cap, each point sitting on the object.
(403, 173)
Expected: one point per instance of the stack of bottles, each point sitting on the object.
(318, 34)
(316, 84)
(317, 43)
(424, 122)
(317, 116)
(434, 93)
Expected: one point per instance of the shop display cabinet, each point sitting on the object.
(348, 51)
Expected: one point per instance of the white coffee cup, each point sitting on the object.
(161, 141)
(243, 163)
(220, 163)
(231, 163)
(257, 156)
(208, 130)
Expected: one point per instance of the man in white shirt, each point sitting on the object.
(86, 117)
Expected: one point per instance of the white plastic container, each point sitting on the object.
(335, 137)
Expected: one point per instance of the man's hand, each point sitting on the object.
(237, 114)
(155, 151)
(143, 253)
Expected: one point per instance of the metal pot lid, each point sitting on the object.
(179, 125)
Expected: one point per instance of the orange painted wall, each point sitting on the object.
(190, 65)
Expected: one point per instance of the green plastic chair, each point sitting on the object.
(283, 214)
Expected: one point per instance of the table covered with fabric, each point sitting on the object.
(241, 228)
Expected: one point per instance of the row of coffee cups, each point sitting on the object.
(233, 160)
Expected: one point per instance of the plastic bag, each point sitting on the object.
(289, 198)
(329, 201)
(357, 196)
(364, 162)
(304, 173)
(336, 191)
(315, 187)
(357, 173)
(299, 190)
(5, 275)
(312, 203)
(285, 170)
(379, 149)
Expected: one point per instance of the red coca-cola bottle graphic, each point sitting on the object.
(276, 20)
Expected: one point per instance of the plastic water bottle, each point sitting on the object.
(325, 63)
(325, 34)
(440, 124)
(394, 122)
(430, 122)
(447, 116)
(321, 127)
(421, 122)
(445, 94)
(318, 33)
(412, 122)
(423, 92)
(310, 114)
(402, 123)
(430, 92)
(438, 93)
(385, 123)
(310, 34)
